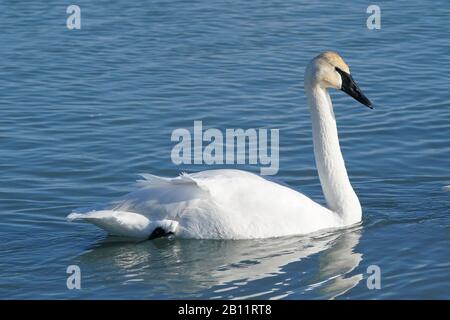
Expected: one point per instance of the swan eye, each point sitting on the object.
(339, 70)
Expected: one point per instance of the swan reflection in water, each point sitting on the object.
(314, 266)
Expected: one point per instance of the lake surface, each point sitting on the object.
(83, 112)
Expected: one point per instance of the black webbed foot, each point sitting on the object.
(158, 233)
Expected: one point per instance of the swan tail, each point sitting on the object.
(127, 224)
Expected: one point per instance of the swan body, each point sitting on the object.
(235, 204)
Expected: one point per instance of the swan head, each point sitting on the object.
(329, 70)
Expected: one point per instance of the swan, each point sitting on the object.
(235, 204)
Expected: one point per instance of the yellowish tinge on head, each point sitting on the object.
(334, 59)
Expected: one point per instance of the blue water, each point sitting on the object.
(82, 112)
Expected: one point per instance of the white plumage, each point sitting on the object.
(234, 204)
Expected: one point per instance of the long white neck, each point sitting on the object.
(330, 164)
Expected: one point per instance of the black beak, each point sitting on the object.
(350, 87)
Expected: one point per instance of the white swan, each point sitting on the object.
(234, 204)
